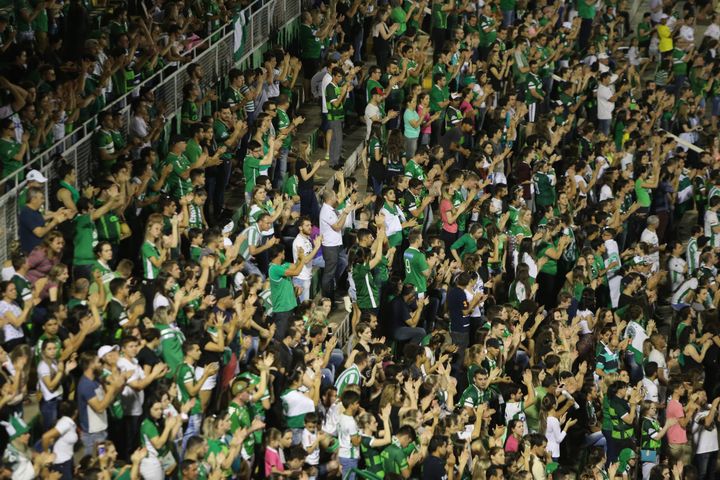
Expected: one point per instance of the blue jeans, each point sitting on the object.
(348, 464)
(65, 469)
(280, 167)
(194, 427)
(705, 464)
(604, 126)
(508, 18)
(49, 412)
(89, 440)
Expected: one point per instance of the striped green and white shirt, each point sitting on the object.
(253, 238)
(693, 255)
(351, 376)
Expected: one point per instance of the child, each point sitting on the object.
(311, 443)
(196, 207)
(273, 464)
(196, 240)
(650, 436)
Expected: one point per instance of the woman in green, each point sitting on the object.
(368, 295)
(646, 181)
(370, 445)
(156, 435)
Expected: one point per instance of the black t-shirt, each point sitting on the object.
(433, 468)
(148, 357)
(303, 185)
(207, 357)
(400, 313)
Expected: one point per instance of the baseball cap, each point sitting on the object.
(567, 25)
(626, 454)
(16, 427)
(602, 56)
(239, 385)
(378, 91)
(334, 56)
(492, 343)
(36, 176)
(105, 349)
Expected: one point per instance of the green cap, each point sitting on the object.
(16, 427)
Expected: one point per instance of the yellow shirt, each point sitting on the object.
(665, 36)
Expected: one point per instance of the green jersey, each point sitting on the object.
(282, 122)
(415, 266)
(464, 245)
(171, 341)
(534, 84)
(488, 31)
(179, 184)
(185, 375)
(148, 431)
(240, 417)
(394, 458)
(252, 168)
(85, 240)
(190, 112)
(439, 17)
(366, 290)
(282, 293)
(148, 251)
(310, 46)
(9, 148)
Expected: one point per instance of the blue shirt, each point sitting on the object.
(86, 390)
(29, 220)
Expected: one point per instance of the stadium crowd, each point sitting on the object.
(526, 256)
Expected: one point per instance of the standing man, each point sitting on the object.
(284, 126)
(303, 247)
(93, 400)
(282, 293)
(335, 95)
(189, 387)
(331, 227)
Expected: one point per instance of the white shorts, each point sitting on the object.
(209, 383)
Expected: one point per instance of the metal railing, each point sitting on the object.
(216, 55)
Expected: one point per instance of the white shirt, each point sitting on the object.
(652, 388)
(687, 33)
(346, 429)
(308, 438)
(605, 106)
(64, 446)
(713, 31)
(704, 440)
(657, 357)
(650, 237)
(304, 243)
(393, 221)
(371, 112)
(160, 301)
(46, 370)
(329, 217)
(554, 435)
(132, 400)
(711, 220)
(10, 331)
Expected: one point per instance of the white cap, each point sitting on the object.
(567, 25)
(105, 349)
(36, 176)
(602, 56)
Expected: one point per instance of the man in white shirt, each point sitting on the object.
(659, 344)
(712, 225)
(304, 244)
(649, 236)
(606, 97)
(373, 114)
(331, 228)
(133, 395)
(349, 434)
(650, 382)
(713, 30)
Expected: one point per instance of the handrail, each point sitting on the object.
(265, 17)
(88, 127)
